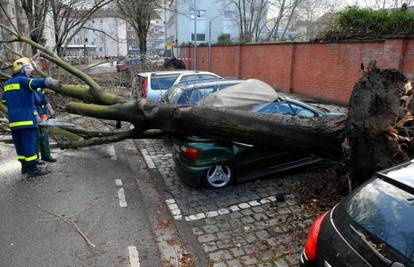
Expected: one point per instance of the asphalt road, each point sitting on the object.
(85, 189)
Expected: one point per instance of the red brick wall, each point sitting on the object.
(323, 70)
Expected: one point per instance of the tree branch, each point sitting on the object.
(111, 139)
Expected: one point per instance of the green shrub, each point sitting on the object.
(362, 23)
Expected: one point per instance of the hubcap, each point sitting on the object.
(219, 176)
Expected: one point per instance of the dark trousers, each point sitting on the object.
(43, 142)
(26, 147)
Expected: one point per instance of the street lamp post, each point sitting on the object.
(195, 37)
(209, 45)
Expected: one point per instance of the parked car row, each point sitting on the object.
(154, 85)
(373, 226)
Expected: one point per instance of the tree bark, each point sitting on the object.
(379, 127)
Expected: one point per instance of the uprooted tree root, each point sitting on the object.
(379, 127)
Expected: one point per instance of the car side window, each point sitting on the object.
(206, 77)
(279, 107)
(302, 112)
(187, 78)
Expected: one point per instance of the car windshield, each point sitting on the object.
(193, 96)
(163, 82)
(387, 213)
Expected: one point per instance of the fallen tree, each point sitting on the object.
(378, 120)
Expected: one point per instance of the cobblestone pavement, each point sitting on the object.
(258, 223)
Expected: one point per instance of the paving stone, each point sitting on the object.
(219, 256)
(248, 260)
(224, 235)
(236, 215)
(234, 208)
(262, 234)
(244, 205)
(227, 243)
(210, 246)
(250, 238)
(247, 219)
(197, 231)
(206, 238)
(246, 212)
(254, 203)
(237, 252)
(271, 241)
(212, 214)
(281, 263)
(284, 211)
(257, 209)
(260, 217)
(209, 229)
(236, 223)
(234, 263)
(219, 264)
(224, 225)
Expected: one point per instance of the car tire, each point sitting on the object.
(218, 176)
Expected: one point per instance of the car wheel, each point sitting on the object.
(218, 176)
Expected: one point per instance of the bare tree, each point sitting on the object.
(70, 16)
(36, 12)
(314, 16)
(139, 14)
(285, 10)
(251, 17)
(388, 4)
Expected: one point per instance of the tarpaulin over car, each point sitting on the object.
(242, 96)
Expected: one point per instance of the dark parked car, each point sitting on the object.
(126, 64)
(190, 94)
(216, 164)
(373, 226)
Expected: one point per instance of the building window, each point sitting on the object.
(100, 49)
(200, 13)
(228, 14)
(200, 37)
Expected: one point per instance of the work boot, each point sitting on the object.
(25, 169)
(34, 172)
(49, 159)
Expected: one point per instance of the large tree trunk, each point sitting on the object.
(379, 126)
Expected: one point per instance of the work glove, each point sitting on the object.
(49, 110)
(50, 82)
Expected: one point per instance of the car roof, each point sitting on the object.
(401, 175)
(186, 86)
(166, 72)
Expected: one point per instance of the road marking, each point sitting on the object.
(121, 197)
(112, 152)
(118, 182)
(148, 159)
(176, 211)
(133, 256)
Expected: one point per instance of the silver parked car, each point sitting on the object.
(191, 94)
(153, 85)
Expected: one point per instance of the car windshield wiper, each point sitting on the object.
(384, 259)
